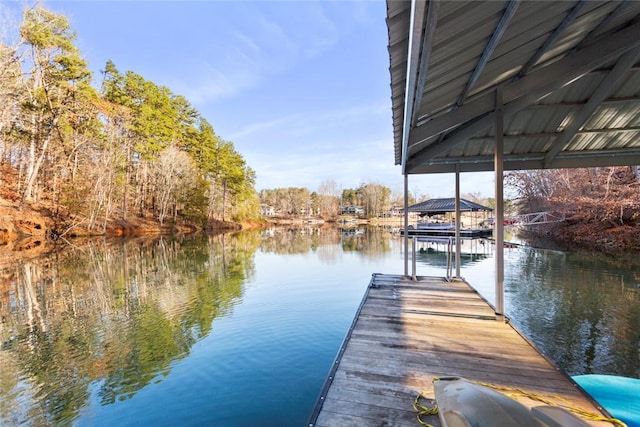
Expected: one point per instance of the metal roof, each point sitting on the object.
(440, 206)
(567, 70)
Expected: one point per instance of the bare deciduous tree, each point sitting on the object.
(329, 198)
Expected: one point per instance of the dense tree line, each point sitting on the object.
(601, 205)
(607, 194)
(131, 148)
(375, 199)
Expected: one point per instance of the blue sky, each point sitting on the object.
(300, 87)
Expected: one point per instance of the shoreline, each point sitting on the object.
(38, 229)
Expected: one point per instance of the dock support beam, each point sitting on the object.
(414, 276)
(499, 194)
(458, 222)
(406, 224)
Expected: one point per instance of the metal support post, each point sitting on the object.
(413, 264)
(458, 223)
(499, 193)
(406, 224)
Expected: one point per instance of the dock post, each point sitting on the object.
(413, 254)
(499, 189)
(458, 222)
(406, 224)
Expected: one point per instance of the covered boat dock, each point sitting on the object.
(512, 85)
(433, 207)
(483, 86)
(441, 207)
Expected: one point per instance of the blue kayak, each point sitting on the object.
(620, 396)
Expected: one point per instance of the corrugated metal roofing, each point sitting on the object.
(568, 70)
(439, 206)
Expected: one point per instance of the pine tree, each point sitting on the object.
(58, 79)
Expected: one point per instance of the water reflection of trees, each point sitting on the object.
(296, 240)
(112, 314)
(330, 241)
(370, 241)
(584, 318)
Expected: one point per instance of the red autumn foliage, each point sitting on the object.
(601, 205)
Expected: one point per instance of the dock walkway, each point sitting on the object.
(406, 333)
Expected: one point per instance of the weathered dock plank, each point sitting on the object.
(408, 333)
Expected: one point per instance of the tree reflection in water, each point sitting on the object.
(114, 312)
(581, 309)
(86, 328)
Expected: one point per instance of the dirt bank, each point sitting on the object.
(597, 237)
(37, 229)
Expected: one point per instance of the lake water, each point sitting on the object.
(241, 330)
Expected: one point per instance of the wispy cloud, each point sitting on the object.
(268, 40)
(261, 127)
(313, 122)
(10, 16)
(350, 167)
(216, 84)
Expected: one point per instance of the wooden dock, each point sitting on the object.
(407, 333)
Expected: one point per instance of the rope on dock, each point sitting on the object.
(423, 410)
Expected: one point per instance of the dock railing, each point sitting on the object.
(450, 258)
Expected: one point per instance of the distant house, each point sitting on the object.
(395, 211)
(352, 210)
(308, 211)
(267, 210)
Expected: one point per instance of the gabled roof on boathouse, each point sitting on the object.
(441, 206)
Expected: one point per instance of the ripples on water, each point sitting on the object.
(241, 330)
(581, 310)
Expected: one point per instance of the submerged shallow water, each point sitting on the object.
(239, 330)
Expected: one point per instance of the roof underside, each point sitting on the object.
(568, 73)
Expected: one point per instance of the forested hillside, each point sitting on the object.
(601, 206)
(107, 151)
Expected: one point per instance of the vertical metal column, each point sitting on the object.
(413, 258)
(499, 194)
(406, 224)
(458, 222)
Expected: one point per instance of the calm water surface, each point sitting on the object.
(240, 330)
